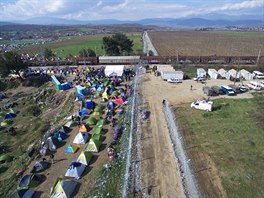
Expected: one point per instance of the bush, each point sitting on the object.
(33, 110)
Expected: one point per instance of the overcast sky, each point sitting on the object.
(125, 9)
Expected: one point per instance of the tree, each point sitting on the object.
(87, 53)
(48, 54)
(117, 44)
(12, 62)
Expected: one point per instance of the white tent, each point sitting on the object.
(222, 73)
(114, 70)
(75, 170)
(201, 72)
(232, 74)
(246, 74)
(80, 138)
(213, 73)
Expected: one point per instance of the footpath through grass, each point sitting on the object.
(233, 136)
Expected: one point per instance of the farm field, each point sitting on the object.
(207, 43)
(72, 45)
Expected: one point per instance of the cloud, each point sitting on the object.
(121, 9)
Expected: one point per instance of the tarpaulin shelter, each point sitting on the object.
(119, 101)
(63, 188)
(85, 157)
(114, 70)
(71, 149)
(80, 138)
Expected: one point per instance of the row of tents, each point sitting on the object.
(232, 74)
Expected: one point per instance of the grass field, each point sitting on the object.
(233, 137)
(207, 43)
(72, 45)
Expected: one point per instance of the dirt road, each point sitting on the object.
(160, 174)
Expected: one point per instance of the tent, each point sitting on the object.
(80, 90)
(100, 123)
(5, 158)
(69, 124)
(85, 157)
(97, 130)
(29, 181)
(91, 121)
(114, 70)
(246, 74)
(75, 170)
(71, 149)
(115, 93)
(83, 128)
(63, 188)
(40, 166)
(12, 111)
(50, 145)
(99, 108)
(23, 193)
(89, 104)
(80, 138)
(6, 122)
(93, 146)
(60, 135)
(119, 101)
(222, 73)
(97, 137)
(83, 112)
(9, 116)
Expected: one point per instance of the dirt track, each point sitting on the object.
(160, 175)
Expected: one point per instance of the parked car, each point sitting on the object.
(203, 105)
(217, 90)
(258, 75)
(174, 80)
(200, 79)
(227, 90)
(235, 88)
(243, 88)
(262, 84)
(209, 91)
(254, 85)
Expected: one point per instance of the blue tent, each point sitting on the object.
(9, 116)
(83, 112)
(71, 149)
(60, 134)
(89, 104)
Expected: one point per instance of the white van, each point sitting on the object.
(203, 105)
(258, 75)
(254, 85)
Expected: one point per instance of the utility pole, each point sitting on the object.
(258, 56)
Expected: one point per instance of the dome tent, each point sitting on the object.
(75, 170)
(63, 188)
(80, 138)
(85, 157)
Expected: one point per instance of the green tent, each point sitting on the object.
(2, 114)
(93, 146)
(13, 111)
(6, 122)
(97, 95)
(97, 130)
(85, 157)
(91, 121)
(100, 123)
(115, 93)
(5, 158)
(97, 137)
(99, 108)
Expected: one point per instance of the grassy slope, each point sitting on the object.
(236, 142)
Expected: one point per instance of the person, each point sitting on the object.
(43, 159)
(163, 101)
(52, 158)
(191, 87)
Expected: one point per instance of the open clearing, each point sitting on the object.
(225, 146)
(207, 43)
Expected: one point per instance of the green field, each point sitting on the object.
(233, 137)
(72, 45)
(84, 29)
